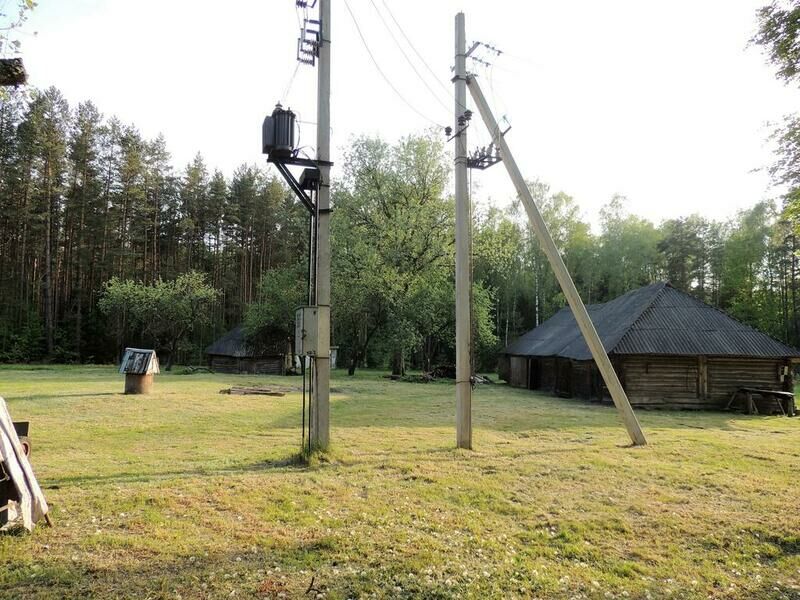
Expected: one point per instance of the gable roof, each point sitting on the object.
(235, 343)
(139, 361)
(655, 319)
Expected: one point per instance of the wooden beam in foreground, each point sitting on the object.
(560, 269)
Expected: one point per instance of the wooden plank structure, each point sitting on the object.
(668, 348)
(783, 401)
(139, 366)
(581, 316)
(21, 499)
(235, 353)
(254, 391)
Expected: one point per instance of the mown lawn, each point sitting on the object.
(188, 493)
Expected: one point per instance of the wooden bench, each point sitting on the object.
(783, 400)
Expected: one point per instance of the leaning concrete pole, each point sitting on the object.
(463, 232)
(559, 268)
(320, 413)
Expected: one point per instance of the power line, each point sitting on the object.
(382, 74)
(448, 91)
(288, 87)
(499, 104)
(408, 60)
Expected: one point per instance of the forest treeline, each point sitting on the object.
(86, 199)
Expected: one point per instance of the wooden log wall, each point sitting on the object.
(224, 364)
(725, 375)
(564, 376)
(504, 368)
(519, 371)
(662, 381)
(257, 366)
(582, 378)
(697, 382)
(548, 374)
(266, 366)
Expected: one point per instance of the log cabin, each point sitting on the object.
(668, 348)
(235, 353)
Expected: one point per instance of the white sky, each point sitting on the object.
(661, 102)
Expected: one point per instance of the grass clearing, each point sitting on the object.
(188, 493)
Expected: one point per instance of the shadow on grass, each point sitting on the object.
(145, 574)
(292, 462)
(305, 560)
(514, 413)
(59, 396)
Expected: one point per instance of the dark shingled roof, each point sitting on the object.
(235, 344)
(655, 319)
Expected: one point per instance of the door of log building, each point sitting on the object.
(534, 374)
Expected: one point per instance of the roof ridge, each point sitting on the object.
(734, 319)
(663, 285)
(655, 319)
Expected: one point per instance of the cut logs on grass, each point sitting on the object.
(437, 374)
(253, 391)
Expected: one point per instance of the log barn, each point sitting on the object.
(234, 353)
(668, 348)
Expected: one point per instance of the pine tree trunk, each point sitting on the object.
(48, 268)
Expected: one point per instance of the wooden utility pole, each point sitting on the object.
(463, 245)
(320, 404)
(559, 268)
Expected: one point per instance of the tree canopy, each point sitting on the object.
(97, 226)
(162, 314)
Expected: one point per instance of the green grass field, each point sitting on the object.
(188, 493)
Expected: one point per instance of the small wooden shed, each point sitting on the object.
(235, 353)
(669, 350)
(139, 366)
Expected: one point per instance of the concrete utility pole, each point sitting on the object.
(559, 268)
(463, 245)
(320, 404)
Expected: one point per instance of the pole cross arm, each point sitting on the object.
(559, 268)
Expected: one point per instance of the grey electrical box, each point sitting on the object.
(309, 339)
(305, 330)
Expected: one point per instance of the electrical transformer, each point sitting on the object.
(277, 133)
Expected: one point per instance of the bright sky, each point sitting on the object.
(661, 102)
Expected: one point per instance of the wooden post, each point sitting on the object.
(702, 377)
(560, 270)
(788, 384)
